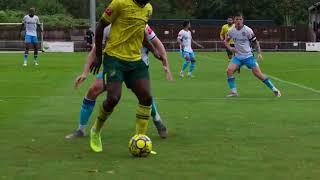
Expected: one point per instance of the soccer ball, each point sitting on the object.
(140, 145)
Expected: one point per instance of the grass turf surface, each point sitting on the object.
(255, 136)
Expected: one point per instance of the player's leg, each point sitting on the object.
(87, 106)
(186, 63)
(112, 66)
(233, 65)
(27, 47)
(141, 88)
(193, 64)
(257, 72)
(138, 81)
(161, 128)
(35, 46)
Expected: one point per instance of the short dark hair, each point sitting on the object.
(238, 14)
(185, 23)
(232, 17)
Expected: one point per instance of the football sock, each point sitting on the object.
(143, 115)
(85, 112)
(192, 66)
(102, 117)
(232, 83)
(154, 111)
(25, 58)
(35, 58)
(268, 83)
(185, 65)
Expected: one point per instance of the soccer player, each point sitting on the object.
(185, 40)
(223, 35)
(244, 37)
(31, 22)
(122, 62)
(98, 85)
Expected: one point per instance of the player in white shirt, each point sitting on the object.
(185, 40)
(244, 37)
(31, 23)
(98, 86)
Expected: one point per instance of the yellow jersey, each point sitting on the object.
(128, 21)
(224, 31)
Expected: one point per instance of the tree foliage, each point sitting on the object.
(284, 12)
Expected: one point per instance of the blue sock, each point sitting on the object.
(192, 66)
(232, 83)
(185, 65)
(85, 112)
(269, 84)
(25, 58)
(154, 111)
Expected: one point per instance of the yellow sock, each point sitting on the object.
(143, 115)
(102, 117)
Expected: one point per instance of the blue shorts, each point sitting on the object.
(186, 54)
(100, 75)
(31, 39)
(250, 62)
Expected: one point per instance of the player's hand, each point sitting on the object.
(169, 76)
(260, 58)
(96, 64)
(232, 49)
(79, 80)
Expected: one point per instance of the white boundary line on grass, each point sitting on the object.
(295, 84)
(284, 81)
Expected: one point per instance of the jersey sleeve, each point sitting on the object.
(38, 21)
(180, 35)
(149, 33)
(230, 34)
(251, 35)
(112, 11)
(223, 31)
(24, 19)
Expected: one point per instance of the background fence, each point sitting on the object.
(206, 32)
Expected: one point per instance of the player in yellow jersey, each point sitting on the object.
(223, 35)
(122, 62)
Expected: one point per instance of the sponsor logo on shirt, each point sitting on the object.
(108, 11)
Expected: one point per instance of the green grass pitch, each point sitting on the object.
(255, 136)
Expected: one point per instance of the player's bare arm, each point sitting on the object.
(179, 40)
(226, 43)
(95, 66)
(86, 68)
(21, 28)
(197, 44)
(257, 45)
(163, 57)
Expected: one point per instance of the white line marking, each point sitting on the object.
(286, 82)
(295, 84)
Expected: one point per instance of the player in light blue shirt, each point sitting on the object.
(31, 23)
(244, 37)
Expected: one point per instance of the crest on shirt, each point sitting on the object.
(108, 11)
(149, 14)
(243, 33)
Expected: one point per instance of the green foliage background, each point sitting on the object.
(71, 13)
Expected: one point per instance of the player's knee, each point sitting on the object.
(230, 71)
(145, 100)
(112, 101)
(94, 91)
